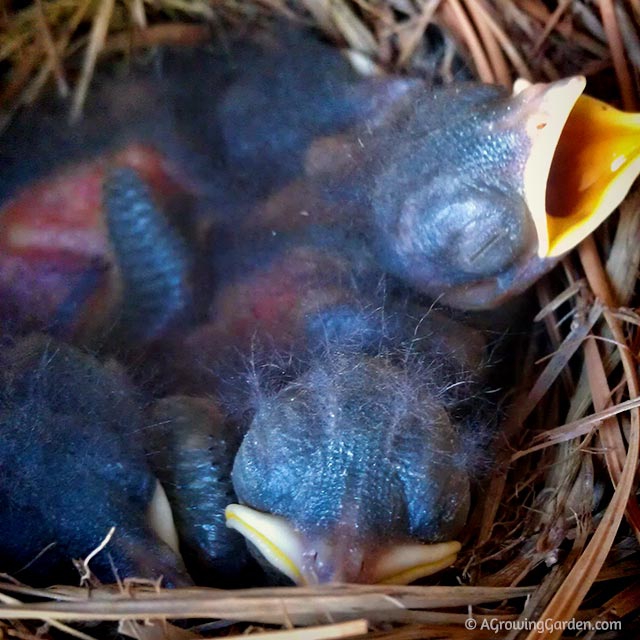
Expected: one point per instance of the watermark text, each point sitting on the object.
(498, 625)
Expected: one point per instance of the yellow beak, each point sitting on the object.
(595, 164)
(285, 549)
(585, 155)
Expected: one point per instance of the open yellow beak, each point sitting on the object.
(584, 158)
(595, 164)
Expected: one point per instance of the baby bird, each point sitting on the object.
(358, 471)
(467, 192)
(72, 467)
(365, 421)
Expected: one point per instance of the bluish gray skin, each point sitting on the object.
(430, 179)
(365, 412)
(348, 400)
(152, 257)
(368, 449)
(72, 467)
(191, 450)
(428, 176)
(459, 226)
(359, 454)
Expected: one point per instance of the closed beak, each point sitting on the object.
(312, 560)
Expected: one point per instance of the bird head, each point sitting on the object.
(481, 192)
(352, 474)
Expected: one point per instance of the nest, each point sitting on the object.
(553, 544)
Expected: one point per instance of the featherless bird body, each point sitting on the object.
(455, 188)
(272, 224)
(351, 395)
(72, 466)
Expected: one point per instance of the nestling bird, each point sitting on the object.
(72, 466)
(293, 189)
(360, 469)
(467, 192)
(355, 399)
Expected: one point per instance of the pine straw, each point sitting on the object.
(556, 536)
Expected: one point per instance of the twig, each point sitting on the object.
(85, 563)
(612, 29)
(96, 42)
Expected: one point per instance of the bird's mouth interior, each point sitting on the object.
(287, 551)
(588, 155)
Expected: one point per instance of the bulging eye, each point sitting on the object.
(482, 234)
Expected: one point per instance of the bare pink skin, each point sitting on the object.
(53, 234)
